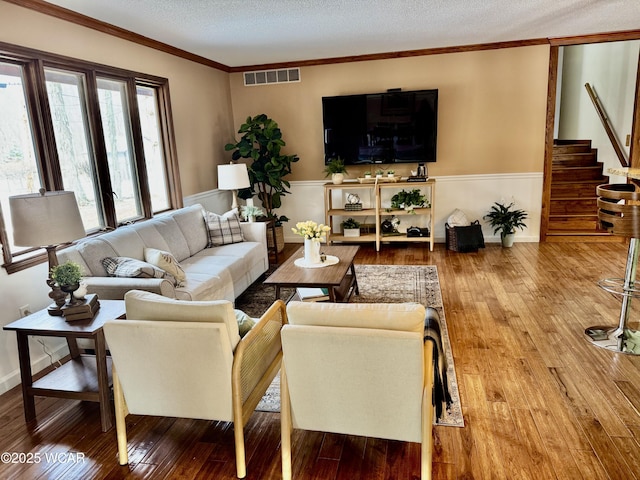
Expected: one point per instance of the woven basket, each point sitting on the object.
(462, 243)
(279, 239)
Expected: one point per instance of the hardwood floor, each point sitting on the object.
(539, 401)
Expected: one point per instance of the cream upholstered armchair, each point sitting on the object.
(185, 359)
(358, 369)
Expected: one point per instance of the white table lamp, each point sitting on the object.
(233, 176)
(46, 219)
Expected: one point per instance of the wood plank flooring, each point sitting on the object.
(539, 401)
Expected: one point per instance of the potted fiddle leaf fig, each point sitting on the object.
(261, 142)
(505, 219)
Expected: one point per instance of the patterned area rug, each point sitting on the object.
(378, 284)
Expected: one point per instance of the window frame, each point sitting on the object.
(34, 62)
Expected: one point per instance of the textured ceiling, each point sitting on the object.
(254, 32)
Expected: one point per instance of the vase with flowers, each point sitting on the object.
(313, 233)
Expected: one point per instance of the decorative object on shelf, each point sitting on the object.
(336, 169)
(351, 228)
(234, 177)
(47, 219)
(367, 174)
(391, 173)
(313, 233)
(389, 226)
(250, 212)
(379, 173)
(261, 141)
(409, 200)
(417, 232)
(353, 203)
(67, 276)
(504, 219)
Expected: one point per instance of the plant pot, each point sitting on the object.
(337, 178)
(507, 239)
(279, 239)
(351, 232)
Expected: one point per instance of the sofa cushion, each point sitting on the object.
(224, 229)
(133, 268)
(165, 261)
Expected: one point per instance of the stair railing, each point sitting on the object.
(622, 156)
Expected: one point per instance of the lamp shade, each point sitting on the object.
(45, 218)
(233, 176)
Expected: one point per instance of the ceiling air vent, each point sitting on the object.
(267, 77)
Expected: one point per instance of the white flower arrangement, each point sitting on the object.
(311, 230)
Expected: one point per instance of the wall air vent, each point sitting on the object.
(267, 77)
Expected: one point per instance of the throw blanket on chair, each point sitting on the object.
(441, 396)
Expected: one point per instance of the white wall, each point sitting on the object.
(610, 69)
(473, 194)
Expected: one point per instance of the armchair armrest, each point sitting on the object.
(114, 288)
(257, 360)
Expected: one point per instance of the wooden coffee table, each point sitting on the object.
(340, 279)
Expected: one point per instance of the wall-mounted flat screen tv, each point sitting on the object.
(390, 127)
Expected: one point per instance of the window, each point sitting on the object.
(101, 132)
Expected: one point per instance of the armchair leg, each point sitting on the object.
(238, 433)
(286, 425)
(121, 414)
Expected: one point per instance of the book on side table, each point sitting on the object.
(83, 311)
(313, 294)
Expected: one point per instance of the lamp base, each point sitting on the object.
(54, 310)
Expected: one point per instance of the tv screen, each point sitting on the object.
(391, 127)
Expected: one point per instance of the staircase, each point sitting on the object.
(573, 211)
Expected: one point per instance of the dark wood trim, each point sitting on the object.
(596, 38)
(552, 85)
(634, 149)
(392, 55)
(103, 27)
(170, 147)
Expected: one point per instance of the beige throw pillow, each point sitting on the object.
(166, 262)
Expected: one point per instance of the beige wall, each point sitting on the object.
(492, 107)
(200, 95)
(201, 106)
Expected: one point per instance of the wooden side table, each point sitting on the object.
(84, 377)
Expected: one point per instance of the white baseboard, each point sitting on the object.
(43, 361)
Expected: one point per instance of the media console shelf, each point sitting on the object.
(376, 209)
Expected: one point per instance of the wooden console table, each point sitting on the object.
(83, 377)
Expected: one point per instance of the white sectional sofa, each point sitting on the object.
(212, 273)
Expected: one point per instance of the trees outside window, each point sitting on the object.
(101, 132)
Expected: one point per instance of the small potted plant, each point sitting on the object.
(505, 219)
(67, 276)
(409, 200)
(379, 173)
(336, 169)
(390, 173)
(367, 174)
(250, 212)
(351, 228)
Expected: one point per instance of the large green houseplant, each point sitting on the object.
(505, 219)
(261, 142)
